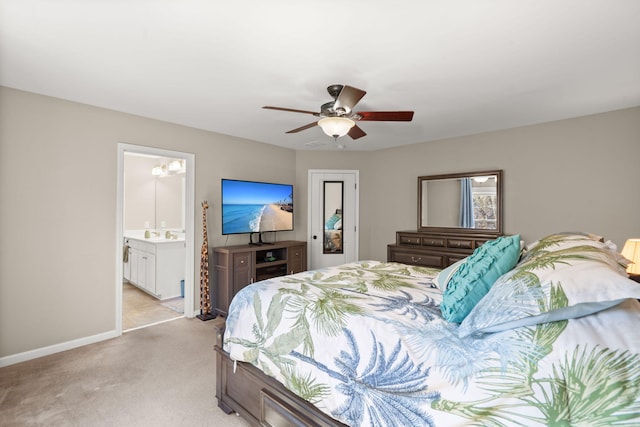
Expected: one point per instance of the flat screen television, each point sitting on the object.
(256, 207)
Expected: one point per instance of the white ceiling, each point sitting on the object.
(463, 66)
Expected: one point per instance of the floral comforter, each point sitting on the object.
(365, 343)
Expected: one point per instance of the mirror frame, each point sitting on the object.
(470, 231)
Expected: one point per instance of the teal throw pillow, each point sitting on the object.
(477, 274)
(331, 222)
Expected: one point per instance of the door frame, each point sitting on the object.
(189, 212)
(311, 173)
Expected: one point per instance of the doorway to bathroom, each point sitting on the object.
(155, 235)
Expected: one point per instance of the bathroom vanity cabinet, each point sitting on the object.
(156, 266)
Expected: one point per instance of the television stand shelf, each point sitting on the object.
(238, 266)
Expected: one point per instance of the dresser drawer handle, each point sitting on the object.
(416, 259)
(241, 261)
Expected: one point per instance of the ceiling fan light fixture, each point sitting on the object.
(336, 126)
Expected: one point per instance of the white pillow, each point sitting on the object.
(442, 279)
(568, 279)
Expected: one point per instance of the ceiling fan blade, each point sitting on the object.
(293, 110)
(348, 98)
(355, 132)
(386, 116)
(301, 128)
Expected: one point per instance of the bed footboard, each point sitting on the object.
(259, 399)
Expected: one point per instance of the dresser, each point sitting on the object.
(433, 249)
(238, 266)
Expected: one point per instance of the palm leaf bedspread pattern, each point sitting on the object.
(394, 360)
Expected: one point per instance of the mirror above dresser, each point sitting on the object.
(467, 202)
(456, 214)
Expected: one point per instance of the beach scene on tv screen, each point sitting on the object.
(252, 207)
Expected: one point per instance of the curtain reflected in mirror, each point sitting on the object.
(333, 197)
(466, 203)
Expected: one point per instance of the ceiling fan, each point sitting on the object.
(339, 119)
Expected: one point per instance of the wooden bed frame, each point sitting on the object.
(258, 398)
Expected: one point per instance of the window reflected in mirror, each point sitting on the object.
(478, 203)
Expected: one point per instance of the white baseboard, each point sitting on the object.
(56, 348)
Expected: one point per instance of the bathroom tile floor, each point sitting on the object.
(141, 309)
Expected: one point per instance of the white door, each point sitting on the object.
(333, 217)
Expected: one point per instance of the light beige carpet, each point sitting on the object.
(163, 375)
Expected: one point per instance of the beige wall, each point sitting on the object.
(58, 196)
(577, 174)
(58, 165)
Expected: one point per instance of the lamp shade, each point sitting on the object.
(631, 251)
(336, 126)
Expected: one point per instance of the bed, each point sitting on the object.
(547, 335)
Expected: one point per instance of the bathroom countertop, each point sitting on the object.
(139, 235)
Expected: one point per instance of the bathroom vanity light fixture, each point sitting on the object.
(174, 167)
(158, 170)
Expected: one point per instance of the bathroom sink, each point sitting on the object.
(155, 239)
(161, 239)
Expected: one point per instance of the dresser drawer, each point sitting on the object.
(409, 240)
(433, 241)
(275, 412)
(460, 243)
(452, 259)
(415, 258)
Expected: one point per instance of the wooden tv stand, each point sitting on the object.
(238, 266)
